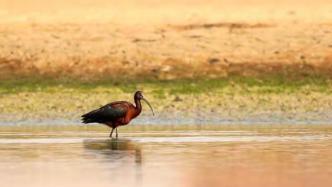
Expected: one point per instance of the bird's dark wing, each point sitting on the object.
(107, 113)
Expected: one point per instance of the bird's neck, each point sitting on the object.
(138, 106)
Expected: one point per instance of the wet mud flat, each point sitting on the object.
(217, 101)
(213, 156)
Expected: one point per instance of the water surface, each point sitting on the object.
(192, 157)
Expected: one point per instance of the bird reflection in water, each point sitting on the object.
(115, 148)
(118, 151)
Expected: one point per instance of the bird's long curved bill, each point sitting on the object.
(147, 102)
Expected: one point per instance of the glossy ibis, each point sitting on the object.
(117, 113)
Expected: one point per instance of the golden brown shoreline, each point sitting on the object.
(165, 41)
(106, 51)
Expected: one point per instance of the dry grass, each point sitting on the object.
(169, 40)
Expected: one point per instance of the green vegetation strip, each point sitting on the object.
(183, 86)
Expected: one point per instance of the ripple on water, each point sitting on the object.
(170, 139)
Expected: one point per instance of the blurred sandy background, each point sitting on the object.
(98, 39)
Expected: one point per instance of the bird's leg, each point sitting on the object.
(116, 130)
(111, 133)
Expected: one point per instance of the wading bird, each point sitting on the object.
(117, 113)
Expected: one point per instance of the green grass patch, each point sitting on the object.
(181, 86)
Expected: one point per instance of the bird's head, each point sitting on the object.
(139, 96)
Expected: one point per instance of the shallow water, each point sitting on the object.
(222, 157)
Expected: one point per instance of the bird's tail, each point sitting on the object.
(88, 118)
